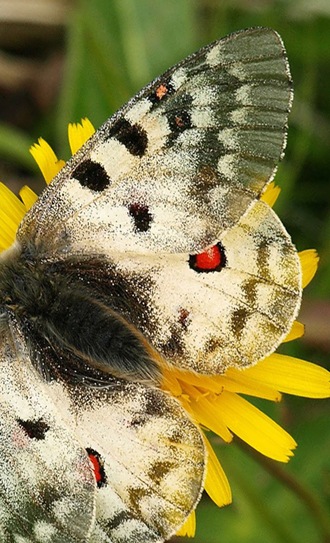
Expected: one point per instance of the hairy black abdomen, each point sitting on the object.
(75, 314)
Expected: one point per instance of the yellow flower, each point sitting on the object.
(12, 209)
(214, 402)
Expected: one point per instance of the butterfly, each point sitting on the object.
(151, 248)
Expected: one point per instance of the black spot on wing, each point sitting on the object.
(141, 215)
(117, 520)
(35, 429)
(138, 420)
(179, 122)
(176, 436)
(156, 405)
(184, 318)
(263, 258)
(132, 136)
(91, 175)
(249, 289)
(213, 345)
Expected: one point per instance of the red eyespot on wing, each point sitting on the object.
(98, 467)
(161, 91)
(209, 260)
(213, 259)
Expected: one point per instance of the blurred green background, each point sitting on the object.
(61, 60)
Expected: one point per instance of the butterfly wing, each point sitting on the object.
(47, 487)
(174, 171)
(233, 315)
(178, 164)
(151, 458)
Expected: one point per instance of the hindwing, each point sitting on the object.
(148, 458)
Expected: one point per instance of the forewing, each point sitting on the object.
(234, 315)
(47, 487)
(181, 162)
(152, 458)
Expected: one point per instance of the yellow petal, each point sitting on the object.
(297, 330)
(216, 483)
(206, 412)
(197, 380)
(309, 260)
(233, 380)
(8, 229)
(171, 383)
(189, 527)
(3, 245)
(11, 213)
(238, 380)
(79, 133)
(46, 159)
(255, 428)
(28, 197)
(11, 205)
(271, 194)
(293, 376)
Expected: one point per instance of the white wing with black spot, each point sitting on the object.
(151, 458)
(47, 486)
(177, 171)
(179, 163)
(235, 313)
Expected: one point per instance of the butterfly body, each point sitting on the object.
(151, 247)
(73, 310)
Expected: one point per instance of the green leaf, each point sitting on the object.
(14, 146)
